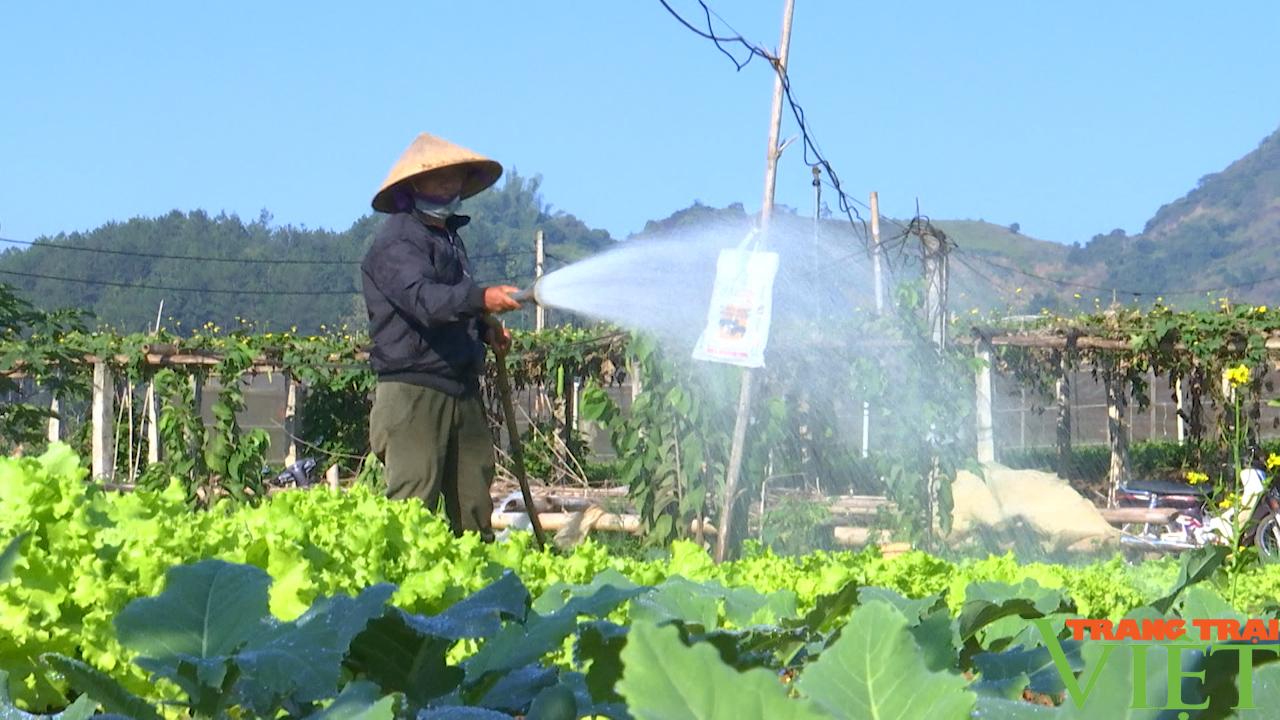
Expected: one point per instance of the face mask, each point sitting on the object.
(435, 208)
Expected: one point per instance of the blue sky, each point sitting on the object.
(1068, 118)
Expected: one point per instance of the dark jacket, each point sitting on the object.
(425, 310)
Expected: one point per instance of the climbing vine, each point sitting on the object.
(1124, 345)
(55, 353)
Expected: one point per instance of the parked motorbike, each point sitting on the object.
(1192, 525)
(300, 474)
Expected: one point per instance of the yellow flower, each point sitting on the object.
(1238, 375)
(1227, 502)
(1261, 309)
(1017, 291)
(1273, 461)
(1076, 296)
(1195, 478)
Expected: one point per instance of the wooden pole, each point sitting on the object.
(1063, 397)
(290, 419)
(102, 418)
(1151, 405)
(935, 277)
(153, 428)
(1022, 418)
(1117, 434)
(986, 429)
(879, 294)
(1177, 398)
(539, 260)
(734, 469)
(153, 425)
(875, 252)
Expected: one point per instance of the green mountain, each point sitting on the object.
(1218, 238)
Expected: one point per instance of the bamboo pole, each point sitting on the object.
(733, 471)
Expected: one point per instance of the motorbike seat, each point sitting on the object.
(1164, 487)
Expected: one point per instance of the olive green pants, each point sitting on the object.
(435, 445)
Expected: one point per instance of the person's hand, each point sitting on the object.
(497, 299)
(499, 338)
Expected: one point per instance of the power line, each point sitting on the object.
(1134, 293)
(206, 258)
(161, 256)
(809, 144)
(168, 288)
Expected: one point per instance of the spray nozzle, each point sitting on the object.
(528, 295)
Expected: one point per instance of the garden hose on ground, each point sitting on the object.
(513, 432)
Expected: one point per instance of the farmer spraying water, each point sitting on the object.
(428, 328)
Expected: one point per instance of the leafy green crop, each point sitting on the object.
(317, 597)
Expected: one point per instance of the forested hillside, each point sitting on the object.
(216, 268)
(1220, 235)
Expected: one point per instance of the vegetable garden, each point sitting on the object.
(201, 592)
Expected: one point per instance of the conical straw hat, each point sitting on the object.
(428, 153)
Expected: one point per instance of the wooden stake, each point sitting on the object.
(734, 470)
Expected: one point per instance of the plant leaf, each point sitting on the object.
(9, 558)
(994, 708)
(395, 653)
(519, 645)
(680, 599)
(207, 610)
(665, 680)
(302, 660)
(104, 689)
(876, 670)
(1195, 566)
(461, 713)
(480, 615)
(600, 643)
(359, 700)
(84, 706)
(513, 691)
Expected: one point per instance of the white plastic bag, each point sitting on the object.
(737, 328)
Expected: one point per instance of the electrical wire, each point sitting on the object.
(206, 258)
(161, 256)
(810, 145)
(169, 288)
(1128, 292)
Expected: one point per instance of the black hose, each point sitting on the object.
(513, 432)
